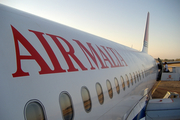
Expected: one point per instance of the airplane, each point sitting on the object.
(50, 71)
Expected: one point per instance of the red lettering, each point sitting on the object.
(121, 59)
(110, 57)
(34, 55)
(119, 63)
(91, 54)
(67, 54)
(105, 58)
(57, 67)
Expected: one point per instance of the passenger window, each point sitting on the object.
(123, 84)
(66, 106)
(134, 77)
(109, 87)
(86, 99)
(100, 93)
(142, 74)
(127, 79)
(139, 75)
(131, 78)
(34, 111)
(117, 85)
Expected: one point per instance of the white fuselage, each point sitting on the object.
(40, 60)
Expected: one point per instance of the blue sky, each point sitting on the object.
(117, 20)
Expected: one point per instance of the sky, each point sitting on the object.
(121, 21)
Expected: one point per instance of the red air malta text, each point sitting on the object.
(100, 58)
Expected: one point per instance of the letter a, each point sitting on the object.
(34, 55)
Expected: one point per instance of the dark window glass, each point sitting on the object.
(117, 85)
(131, 78)
(123, 84)
(134, 77)
(109, 87)
(100, 93)
(34, 111)
(139, 75)
(127, 79)
(142, 74)
(86, 99)
(66, 106)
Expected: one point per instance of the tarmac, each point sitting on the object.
(161, 87)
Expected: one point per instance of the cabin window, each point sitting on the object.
(109, 87)
(100, 93)
(131, 78)
(66, 106)
(117, 85)
(123, 84)
(139, 75)
(34, 111)
(142, 74)
(127, 79)
(86, 99)
(134, 77)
